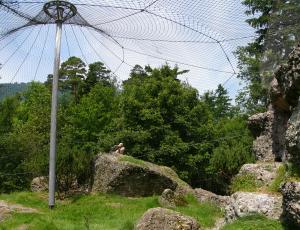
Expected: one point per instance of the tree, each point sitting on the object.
(164, 122)
(72, 73)
(98, 73)
(276, 24)
(234, 149)
(219, 103)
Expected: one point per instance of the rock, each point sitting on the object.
(264, 172)
(39, 184)
(206, 196)
(288, 77)
(269, 128)
(171, 199)
(246, 203)
(293, 135)
(165, 219)
(126, 176)
(291, 202)
(6, 209)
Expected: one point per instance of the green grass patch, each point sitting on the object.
(293, 172)
(205, 213)
(254, 222)
(107, 212)
(33, 200)
(280, 177)
(246, 183)
(133, 160)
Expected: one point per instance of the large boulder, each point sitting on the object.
(127, 176)
(171, 199)
(247, 203)
(291, 202)
(165, 219)
(207, 196)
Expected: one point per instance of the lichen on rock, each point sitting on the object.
(127, 178)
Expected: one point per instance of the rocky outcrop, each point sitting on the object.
(269, 130)
(280, 124)
(171, 199)
(247, 203)
(291, 202)
(261, 128)
(165, 219)
(288, 78)
(123, 175)
(6, 209)
(293, 135)
(264, 173)
(207, 196)
(39, 184)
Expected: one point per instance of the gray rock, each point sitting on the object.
(293, 135)
(288, 77)
(165, 219)
(6, 209)
(269, 130)
(39, 184)
(264, 172)
(246, 203)
(171, 199)
(114, 174)
(207, 196)
(291, 202)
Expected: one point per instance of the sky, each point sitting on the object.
(197, 35)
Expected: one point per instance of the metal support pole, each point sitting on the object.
(52, 160)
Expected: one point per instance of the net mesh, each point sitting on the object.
(200, 36)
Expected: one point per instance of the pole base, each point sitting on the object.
(51, 207)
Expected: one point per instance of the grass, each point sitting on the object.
(107, 212)
(254, 222)
(133, 160)
(293, 172)
(245, 183)
(201, 212)
(280, 177)
(248, 182)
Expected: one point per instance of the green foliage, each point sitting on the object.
(276, 24)
(249, 183)
(233, 150)
(281, 176)
(97, 74)
(205, 213)
(25, 137)
(9, 90)
(293, 172)
(246, 182)
(157, 117)
(97, 212)
(219, 103)
(255, 222)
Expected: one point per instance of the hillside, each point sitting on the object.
(7, 89)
